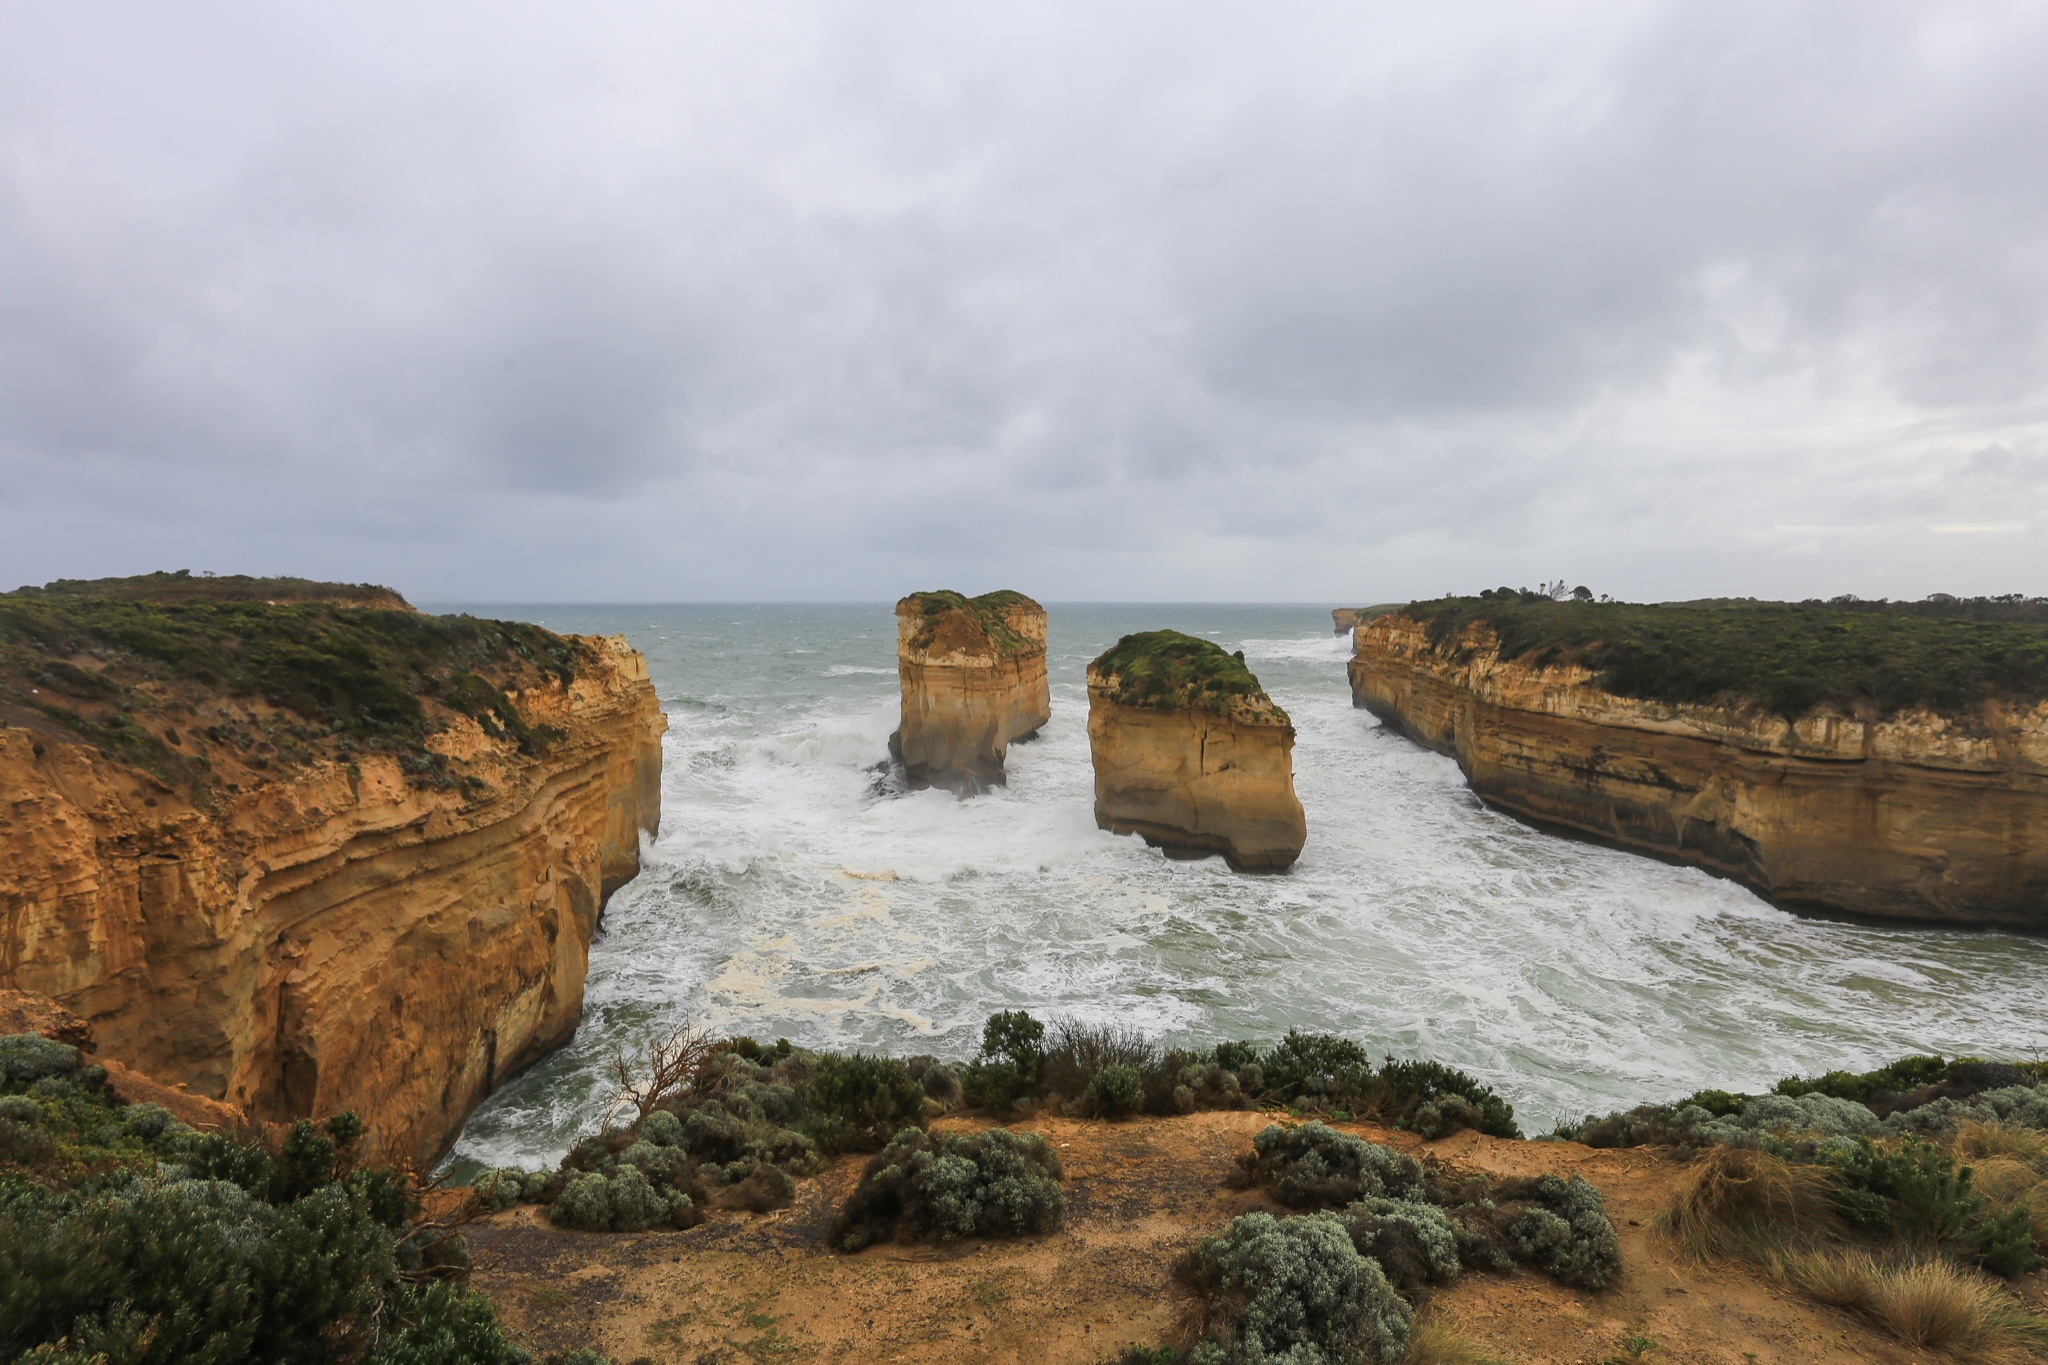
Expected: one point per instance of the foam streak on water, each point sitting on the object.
(784, 899)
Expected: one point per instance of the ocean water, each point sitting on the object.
(786, 897)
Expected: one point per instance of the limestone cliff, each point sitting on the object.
(1914, 815)
(973, 677)
(298, 918)
(1191, 753)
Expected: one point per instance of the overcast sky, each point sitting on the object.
(1338, 302)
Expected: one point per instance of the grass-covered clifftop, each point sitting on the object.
(988, 613)
(1944, 654)
(142, 668)
(1166, 670)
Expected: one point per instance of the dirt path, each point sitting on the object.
(766, 1288)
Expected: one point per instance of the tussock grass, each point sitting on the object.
(1978, 1141)
(1734, 1196)
(1438, 1341)
(1927, 1302)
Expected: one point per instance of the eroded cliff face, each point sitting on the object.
(1915, 816)
(333, 936)
(1195, 782)
(973, 680)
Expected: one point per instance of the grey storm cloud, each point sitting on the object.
(1174, 301)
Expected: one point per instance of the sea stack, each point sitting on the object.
(1192, 754)
(973, 676)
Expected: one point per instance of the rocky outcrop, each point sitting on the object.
(325, 934)
(1191, 753)
(973, 678)
(1350, 618)
(1912, 816)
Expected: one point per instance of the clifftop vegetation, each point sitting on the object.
(1166, 670)
(124, 663)
(987, 614)
(1946, 654)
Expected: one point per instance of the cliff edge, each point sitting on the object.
(1191, 753)
(1901, 811)
(299, 856)
(972, 671)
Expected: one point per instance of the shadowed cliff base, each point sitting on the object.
(972, 672)
(1191, 754)
(302, 857)
(1880, 760)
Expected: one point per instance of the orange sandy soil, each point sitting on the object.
(767, 1288)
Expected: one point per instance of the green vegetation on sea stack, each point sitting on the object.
(987, 612)
(1168, 671)
(120, 662)
(1945, 654)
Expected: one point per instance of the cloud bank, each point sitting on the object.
(1191, 301)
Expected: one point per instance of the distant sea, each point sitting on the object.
(786, 897)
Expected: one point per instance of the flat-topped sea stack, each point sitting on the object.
(1885, 759)
(973, 676)
(1192, 754)
(302, 849)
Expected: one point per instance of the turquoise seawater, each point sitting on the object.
(785, 897)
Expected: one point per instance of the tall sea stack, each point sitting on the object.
(973, 676)
(1192, 754)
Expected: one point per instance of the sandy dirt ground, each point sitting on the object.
(767, 1288)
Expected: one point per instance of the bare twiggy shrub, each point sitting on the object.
(1733, 1197)
(1075, 1053)
(685, 1059)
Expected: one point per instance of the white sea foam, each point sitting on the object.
(1572, 977)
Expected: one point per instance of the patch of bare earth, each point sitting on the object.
(768, 1288)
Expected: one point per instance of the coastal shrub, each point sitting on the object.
(940, 1083)
(862, 1100)
(939, 1187)
(1917, 1189)
(1007, 1068)
(1554, 1224)
(1074, 1053)
(624, 1201)
(1565, 1232)
(29, 1057)
(141, 1241)
(1437, 1100)
(1315, 1166)
(1294, 1290)
(1311, 1064)
(1116, 1091)
(1413, 1242)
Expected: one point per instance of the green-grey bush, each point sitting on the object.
(1294, 1291)
(624, 1201)
(1567, 1235)
(1116, 1091)
(28, 1057)
(939, 1187)
(1413, 1241)
(135, 1241)
(1314, 1166)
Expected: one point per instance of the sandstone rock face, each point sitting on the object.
(333, 936)
(973, 678)
(1917, 816)
(1347, 619)
(1193, 769)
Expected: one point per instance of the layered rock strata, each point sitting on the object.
(334, 935)
(1913, 816)
(1191, 753)
(973, 677)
